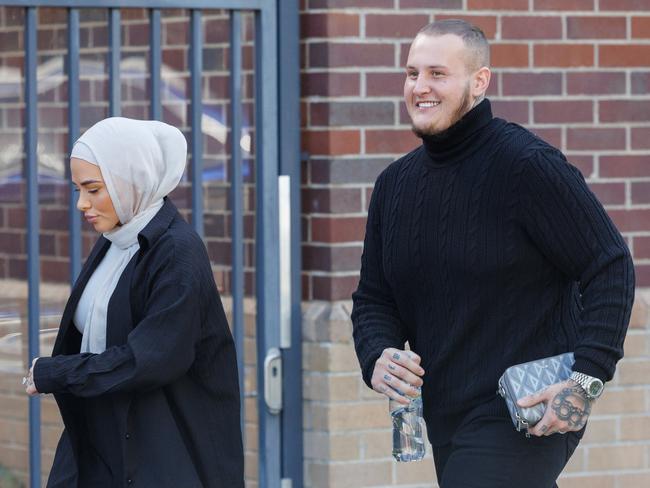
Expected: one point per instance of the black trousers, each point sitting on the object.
(487, 452)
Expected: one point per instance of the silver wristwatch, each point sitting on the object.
(593, 387)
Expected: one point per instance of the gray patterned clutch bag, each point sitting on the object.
(524, 379)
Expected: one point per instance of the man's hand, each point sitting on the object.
(397, 374)
(567, 408)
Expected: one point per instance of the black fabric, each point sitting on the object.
(486, 452)
(484, 248)
(159, 407)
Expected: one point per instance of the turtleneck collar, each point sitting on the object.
(459, 140)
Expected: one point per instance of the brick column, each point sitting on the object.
(577, 72)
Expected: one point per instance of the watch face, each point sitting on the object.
(595, 388)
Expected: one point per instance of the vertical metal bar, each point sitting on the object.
(237, 200)
(33, 224)
(267, 248)
(155, 63)
(289, 127)
(196, 68)
(115, 92)
(73, 133)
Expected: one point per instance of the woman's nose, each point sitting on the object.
(82, 203)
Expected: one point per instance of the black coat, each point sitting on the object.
(160, 406)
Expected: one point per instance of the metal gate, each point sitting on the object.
(276, 193)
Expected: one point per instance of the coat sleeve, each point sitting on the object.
(375, 318)
(571, 228)
(158, 350)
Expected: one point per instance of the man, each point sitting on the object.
(484, 248)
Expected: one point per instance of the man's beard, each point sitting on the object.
(463, 107)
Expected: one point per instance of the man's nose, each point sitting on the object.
(421, 85)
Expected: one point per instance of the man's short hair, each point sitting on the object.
(473, 37)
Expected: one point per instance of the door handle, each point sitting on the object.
(284, 213)
(273, 380)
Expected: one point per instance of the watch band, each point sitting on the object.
(584, 380)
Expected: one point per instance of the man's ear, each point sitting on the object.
(481, 81)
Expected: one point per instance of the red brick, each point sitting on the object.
(341, 229)
(350, 3)
(641, 83)
(334, 287)
(175, 33)
(585, 163)
(54, 219)
(11, 41)
(596, 28)
(390, 141)
(624, 110)
(351, 113)
(551, 135)
(331, 200)
(624, 5)
(625, 166)
(595, 83)
(53, 270)
(563, 5)
(487, 23)
(12, 243)
(579, 139)
(609, 193)
(509, 56)
(630, 220)
(497, 4)
(330, 84)
(531, 27)
(611, 55)
(329, 25)
(640, 137)
(641, 191)
(642, 274)
(431, 4)
(17, 268)
(511, 110)
(563, 55)
(328, 258)
(385, 84)
(48, 15)
(642, 246)
(332, 55)
(216, 30)
(395, 25)
(330, 142)
(174, 58)
(641, 27)
(531, 83)
(404, 53)
(565, 111)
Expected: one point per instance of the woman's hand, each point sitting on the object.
(28, 381)
(397, 375)
(567, 408)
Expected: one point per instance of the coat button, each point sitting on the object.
(128, 436)
(129, 481)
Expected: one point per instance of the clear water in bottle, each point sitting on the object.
(408, 430)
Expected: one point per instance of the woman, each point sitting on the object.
(143, 368)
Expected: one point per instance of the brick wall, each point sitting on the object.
(577, 72)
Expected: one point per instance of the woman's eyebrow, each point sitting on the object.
(88, 182)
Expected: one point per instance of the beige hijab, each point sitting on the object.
(141, 162)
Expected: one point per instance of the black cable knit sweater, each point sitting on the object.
(484, 248)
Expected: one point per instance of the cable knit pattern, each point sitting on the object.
(498, 253)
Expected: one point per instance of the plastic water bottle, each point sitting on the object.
(408, 430)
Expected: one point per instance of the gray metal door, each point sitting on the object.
(275, 187)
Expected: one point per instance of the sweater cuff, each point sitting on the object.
(44, 375)
(582, 365)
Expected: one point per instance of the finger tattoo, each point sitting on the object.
(543, 428)
(396, 355)
(572, 406)
(387, 377)
(391, 366)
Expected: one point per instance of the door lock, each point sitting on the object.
(273, 380)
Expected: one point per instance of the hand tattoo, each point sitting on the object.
(396, 355)
(387, 377)
(544, 428)
(572, 406)
(392, 367)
